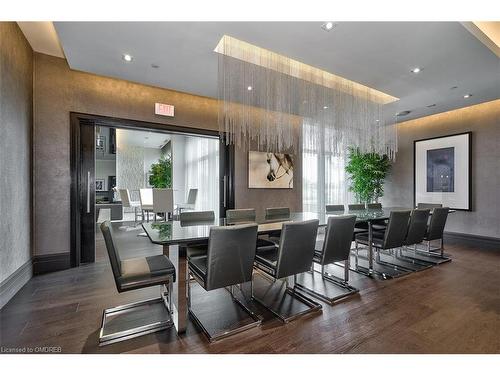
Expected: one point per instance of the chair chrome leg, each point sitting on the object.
(111, 335)
(357, 254)
(346, 269)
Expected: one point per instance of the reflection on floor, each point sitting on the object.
(450, 308)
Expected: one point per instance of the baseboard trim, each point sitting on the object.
(50, 263)
(11, 285)
(473, 239)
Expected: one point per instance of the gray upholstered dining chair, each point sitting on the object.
(247, 215)
(392, 238)
(293, 256)
(241, 215)
(277, 213)
(336, 247)
(229, 258)
(429, 205)
(334, 208)
(140, 318)
(417, 228)
(356, 207)
(193, 218)
(435, 230)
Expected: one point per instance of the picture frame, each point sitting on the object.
(100, 184)
(442, 171)
(267, 170)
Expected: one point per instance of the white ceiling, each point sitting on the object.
(141, 138)
(376, 54)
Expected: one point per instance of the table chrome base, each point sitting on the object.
(133, 320)
(222, 314)
(285, 302)
(327, 287)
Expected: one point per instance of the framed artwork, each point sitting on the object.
(267, 170)
(442, 171)
(100, 143)
(100, 184)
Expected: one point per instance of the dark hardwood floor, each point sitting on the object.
(451, 308)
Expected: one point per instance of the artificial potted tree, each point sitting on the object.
(367, 172)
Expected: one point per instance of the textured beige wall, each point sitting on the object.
(484, 122)
(59, 91)
(16, 96)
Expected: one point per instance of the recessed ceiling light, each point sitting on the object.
(431, 105)
(154, 66)
(416, 70)
(377, 120)
(127, 57)
(325, 107)
(403, 113)
(453, 87)
(327, 26)
(467, 96)
(249, 88)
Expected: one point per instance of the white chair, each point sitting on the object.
(163, 201)
(191, 201)
(128, 203)
(146, 197)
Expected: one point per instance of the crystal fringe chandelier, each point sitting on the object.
(264, 98)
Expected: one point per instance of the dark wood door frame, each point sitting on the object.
(77, 120)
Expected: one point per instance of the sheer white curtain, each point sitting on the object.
(324, 178)
(202, 171)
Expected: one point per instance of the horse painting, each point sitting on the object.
(270, 170)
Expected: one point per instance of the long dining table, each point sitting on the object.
(171, 234)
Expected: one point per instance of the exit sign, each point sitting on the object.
(164, 109)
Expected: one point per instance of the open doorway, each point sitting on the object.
(116, 164)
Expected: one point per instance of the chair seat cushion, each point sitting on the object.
(379, 227)
(143, 272)
(377, 238)
(196, 250)
(264, 245)
(268, 258)
(198, 266)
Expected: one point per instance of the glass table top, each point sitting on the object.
(175, 232)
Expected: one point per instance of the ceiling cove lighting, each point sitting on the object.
(127, 57)
(286, 93)
(467, 96)
(416, 70)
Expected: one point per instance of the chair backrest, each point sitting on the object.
(429, 205)
(163, 200)
(240, 215)
(438, 221)
(125, 197)
(334, 207)
(230, 255)
(417, 226)
(192, 195)
(277, 213)
(296, 249)
(374, 206)
(191, 217)
(338, 238)
(397, 227)
(146, 197)
(356, 207)
(114, 256)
